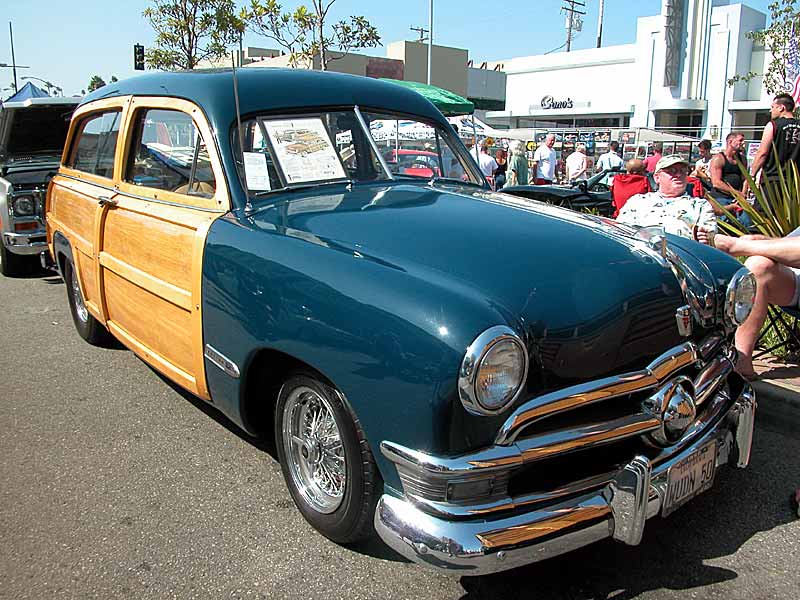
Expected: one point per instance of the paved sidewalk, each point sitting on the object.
(779, 382)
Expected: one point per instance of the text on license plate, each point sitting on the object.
(691, 476)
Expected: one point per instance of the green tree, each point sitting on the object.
(304, 34)
(784, 23)
(188, 31)
(95, 82)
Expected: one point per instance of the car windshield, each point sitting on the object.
(285, 152)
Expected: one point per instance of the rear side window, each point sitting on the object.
(169, 153)
(96, 144)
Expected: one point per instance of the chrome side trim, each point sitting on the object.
(595, 391)
(218, 359)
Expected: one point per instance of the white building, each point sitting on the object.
(673, 77)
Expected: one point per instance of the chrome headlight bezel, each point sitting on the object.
(17, 203)
(468, 376)
(737, 286)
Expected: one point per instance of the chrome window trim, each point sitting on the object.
(116, 190)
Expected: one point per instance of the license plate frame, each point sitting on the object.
(690, 477)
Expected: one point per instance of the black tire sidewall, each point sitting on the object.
(345, 524)
(90, 330)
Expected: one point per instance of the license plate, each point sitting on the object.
(689, 477)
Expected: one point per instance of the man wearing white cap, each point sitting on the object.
(671, 207)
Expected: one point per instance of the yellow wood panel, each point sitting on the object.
(87, 276)
(161, 327)
(74, 207)
(160, 248)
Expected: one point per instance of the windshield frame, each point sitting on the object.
(453, 141)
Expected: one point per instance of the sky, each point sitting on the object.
(66, 43)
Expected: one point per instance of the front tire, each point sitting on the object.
(89, 328)
(325, 458)
(13, 265)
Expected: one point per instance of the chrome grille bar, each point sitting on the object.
(596, 391)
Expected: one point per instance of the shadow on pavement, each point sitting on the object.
(674, 552)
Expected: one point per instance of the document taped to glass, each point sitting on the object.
(690, 477)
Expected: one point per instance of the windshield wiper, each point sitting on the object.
(300, 187)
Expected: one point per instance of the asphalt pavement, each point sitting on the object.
(116, 484)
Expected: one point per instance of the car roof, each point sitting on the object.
(271, 90)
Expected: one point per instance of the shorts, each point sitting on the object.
(795, 303)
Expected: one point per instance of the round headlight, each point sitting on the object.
(24, 206)
(740, 296)
(493, 371)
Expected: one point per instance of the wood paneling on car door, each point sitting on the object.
(151, 260)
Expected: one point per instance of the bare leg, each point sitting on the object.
(775, 285)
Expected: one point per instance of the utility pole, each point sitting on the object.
(600, 25)
(430, 40)
(421, 31)
(573, 20)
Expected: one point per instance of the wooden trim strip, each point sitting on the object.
(178, 375)
(171, 293)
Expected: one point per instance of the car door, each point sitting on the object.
(84, 184)
(152, 236)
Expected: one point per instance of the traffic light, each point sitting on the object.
(138, 57)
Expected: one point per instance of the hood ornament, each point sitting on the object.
(683, 316)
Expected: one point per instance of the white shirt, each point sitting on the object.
(545, 159)
(675, 215)
(575, 162)
(487, 164)
(609, 160)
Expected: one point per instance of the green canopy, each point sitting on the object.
(447, 102)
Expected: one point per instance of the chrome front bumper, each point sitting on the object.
(25, 243)
(618, 510)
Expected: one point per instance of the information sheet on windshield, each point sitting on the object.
(304, 150)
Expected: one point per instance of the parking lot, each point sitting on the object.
(116, 484)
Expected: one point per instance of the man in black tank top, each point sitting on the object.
(783, 131)
(726, 177)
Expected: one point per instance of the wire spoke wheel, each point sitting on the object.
(313, 446)
(80, 306)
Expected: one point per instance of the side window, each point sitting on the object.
(96, 143)
(169, 154)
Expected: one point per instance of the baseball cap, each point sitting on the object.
(669, 160)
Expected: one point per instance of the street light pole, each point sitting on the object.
(430, 39)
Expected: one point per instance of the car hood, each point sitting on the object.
(35, 129)
(589, 297)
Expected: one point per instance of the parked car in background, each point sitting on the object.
(32, 132)
(588, 195)
(483, 380)
(418, 163)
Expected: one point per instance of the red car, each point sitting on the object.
(419, 163)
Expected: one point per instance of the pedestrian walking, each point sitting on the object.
(544, 162)
(782, 132)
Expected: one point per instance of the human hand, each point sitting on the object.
(729, 245)
(704, 236)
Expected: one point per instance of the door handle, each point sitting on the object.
(107, 201)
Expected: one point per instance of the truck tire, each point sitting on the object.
(13, 265)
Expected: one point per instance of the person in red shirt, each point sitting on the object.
(651, 161)
(629, 184)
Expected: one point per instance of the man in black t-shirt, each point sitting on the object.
(783, 131)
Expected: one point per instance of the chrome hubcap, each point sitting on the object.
(80, 307)
(313, 447)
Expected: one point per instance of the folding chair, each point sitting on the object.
(785, 321)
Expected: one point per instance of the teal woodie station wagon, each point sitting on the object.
(484, 380)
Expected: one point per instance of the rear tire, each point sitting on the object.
(89, 328)
(326, 460)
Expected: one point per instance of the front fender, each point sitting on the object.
(390, 340)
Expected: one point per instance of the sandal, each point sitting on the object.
(749, 375)
(794, 501)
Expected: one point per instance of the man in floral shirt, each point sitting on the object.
(671, 207)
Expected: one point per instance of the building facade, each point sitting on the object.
(674, 77)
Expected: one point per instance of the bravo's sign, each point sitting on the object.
(548, 102)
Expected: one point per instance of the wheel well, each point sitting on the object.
(263, 379)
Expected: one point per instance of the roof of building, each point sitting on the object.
(270, 90)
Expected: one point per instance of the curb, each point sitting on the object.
(778, 391)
